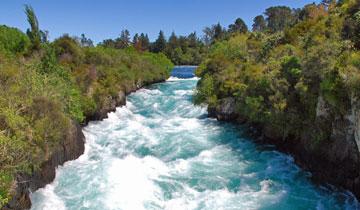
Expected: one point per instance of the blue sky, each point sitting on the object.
(106, 18)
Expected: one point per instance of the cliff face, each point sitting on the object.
(335, 160)
(69, 149)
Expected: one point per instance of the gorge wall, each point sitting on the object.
(335, 161)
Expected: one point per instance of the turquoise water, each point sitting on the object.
(162, 152)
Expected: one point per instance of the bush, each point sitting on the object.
(13, 41)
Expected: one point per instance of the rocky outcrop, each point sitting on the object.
(108, 105)
(111, 102)
(225, 111)
(334, 159)
(70, 148)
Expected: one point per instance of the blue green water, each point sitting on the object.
(162, 152)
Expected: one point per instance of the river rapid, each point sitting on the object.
(162, 152)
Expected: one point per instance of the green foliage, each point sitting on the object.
(160, 43)
(205, 91)
(33, 33)
(6, 180)
(238, 27)
(185, 50)
(259, 23)
(45, 89)
(13, 41)
(277, 75)
(279, 17)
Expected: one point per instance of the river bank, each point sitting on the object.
(160, 151)
(336, 162)
(71, 148)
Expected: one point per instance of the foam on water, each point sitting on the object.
(160, 152)
(172, 79)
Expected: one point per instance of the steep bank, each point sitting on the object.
(46, 92)
(299, 85)
(161, 152)
(336, 162)
(69, 149)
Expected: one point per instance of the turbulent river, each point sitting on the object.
(162, 152)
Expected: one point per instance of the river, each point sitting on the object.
(162, 152)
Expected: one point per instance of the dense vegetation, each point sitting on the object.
(45, 87)
(181, 50)
(291, 61)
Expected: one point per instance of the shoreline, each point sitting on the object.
(70, 149)
(325, 164)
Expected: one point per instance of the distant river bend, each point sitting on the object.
(162, 152)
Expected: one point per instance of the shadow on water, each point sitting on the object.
(278, 170)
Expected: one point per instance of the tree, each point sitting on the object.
(34, 31)
(136, 43)
(13, 40)
(219, 32)
(312, 11)
(279, 17)
(124, 40)
(238, 27)
(351, 28)
(44, 36)
(86, 42)
(145, 42)
(259, 23)
(193, 40)
(173, 41)
(160, 43)
(108, 43)
(214, 33)
(329, 4)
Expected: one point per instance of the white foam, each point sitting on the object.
(185, 151)
(171, 79)
(48, 199)
(183, 92)
(131, 182)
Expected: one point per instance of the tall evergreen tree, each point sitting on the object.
(173, 41)
(124, 40)
(193, 40)
(219, 32)
(259, 23)
(160, 43)
(238, 27)
(145, 42)
(279, 17)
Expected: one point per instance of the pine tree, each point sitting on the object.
(238, 27)
(259, 23)
(160, 43)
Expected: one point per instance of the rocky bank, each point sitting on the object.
(335, 161)
(69, 149)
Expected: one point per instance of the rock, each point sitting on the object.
(334, 158)
(108, 105)
(70, 148)
(322, 109)
(226, 110)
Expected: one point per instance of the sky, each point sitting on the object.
(102, 19)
